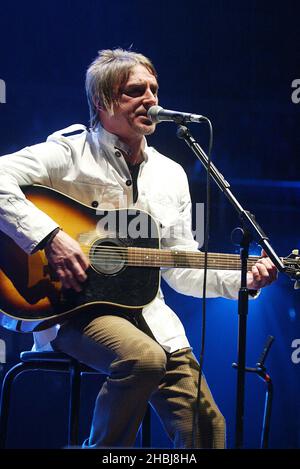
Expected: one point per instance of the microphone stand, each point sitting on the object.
(250, 231)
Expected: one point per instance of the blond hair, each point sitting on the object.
(106, 75)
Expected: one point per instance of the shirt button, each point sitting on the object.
(95, 203)
(128, 182)
(118, 153)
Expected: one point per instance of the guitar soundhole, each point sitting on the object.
(107, 256)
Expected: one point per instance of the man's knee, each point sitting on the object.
(144, 364)
(151, 361)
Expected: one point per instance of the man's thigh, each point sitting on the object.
(98, 340)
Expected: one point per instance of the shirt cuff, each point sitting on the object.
(42, 244)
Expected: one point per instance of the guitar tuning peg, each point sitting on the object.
(295, 252)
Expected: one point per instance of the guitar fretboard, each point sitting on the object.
(184, 259)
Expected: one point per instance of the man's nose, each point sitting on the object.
(150, 99)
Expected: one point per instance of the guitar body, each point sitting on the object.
(29, 289)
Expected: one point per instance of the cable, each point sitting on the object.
(196, 416)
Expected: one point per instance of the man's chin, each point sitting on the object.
(150, 130)
(146, 129)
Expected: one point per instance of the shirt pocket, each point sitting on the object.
(94, 195)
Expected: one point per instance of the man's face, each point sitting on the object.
(135, 98)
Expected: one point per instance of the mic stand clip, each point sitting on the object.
(261, 372)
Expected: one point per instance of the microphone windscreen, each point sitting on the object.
(153, 113)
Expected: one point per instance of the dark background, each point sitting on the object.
(232, 61)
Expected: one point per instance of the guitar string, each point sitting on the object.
(180, 265)
(142, 256)
(166, 255)
(141, 263)
(153, 252)
(184, 262)
(160, 264)
(125, 248)
(139, 259)
(160, 252)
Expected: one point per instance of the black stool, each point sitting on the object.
(60, 362)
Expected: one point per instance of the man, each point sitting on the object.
(146, 356)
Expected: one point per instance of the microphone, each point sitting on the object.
(157, 114)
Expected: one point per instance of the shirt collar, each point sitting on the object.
(112, 141)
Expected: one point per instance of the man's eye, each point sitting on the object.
(133, 92)
(137, 91)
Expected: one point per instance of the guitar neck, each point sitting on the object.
(184, 259)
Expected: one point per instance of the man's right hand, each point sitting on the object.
(67, 259)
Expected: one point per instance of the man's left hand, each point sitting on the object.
(263, 273)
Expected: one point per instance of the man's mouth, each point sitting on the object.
(143, 114)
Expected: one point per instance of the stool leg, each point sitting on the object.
(146, 429)
(5, 400)
(74, 405)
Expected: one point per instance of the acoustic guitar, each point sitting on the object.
(123, 247)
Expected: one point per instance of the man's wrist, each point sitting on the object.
(47, 240)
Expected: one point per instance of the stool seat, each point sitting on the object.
(46, 359)
(59, 362)
(48, 356)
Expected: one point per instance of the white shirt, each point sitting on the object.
(88, 167)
